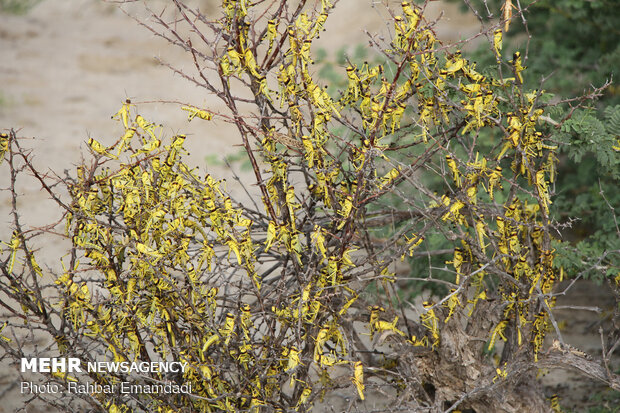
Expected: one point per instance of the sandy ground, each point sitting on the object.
(67, 65)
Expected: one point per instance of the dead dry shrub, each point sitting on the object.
(278, 304)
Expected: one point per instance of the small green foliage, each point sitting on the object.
(585, 133)
(608, 401)
(17, 6)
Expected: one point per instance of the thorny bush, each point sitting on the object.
(278, 307)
